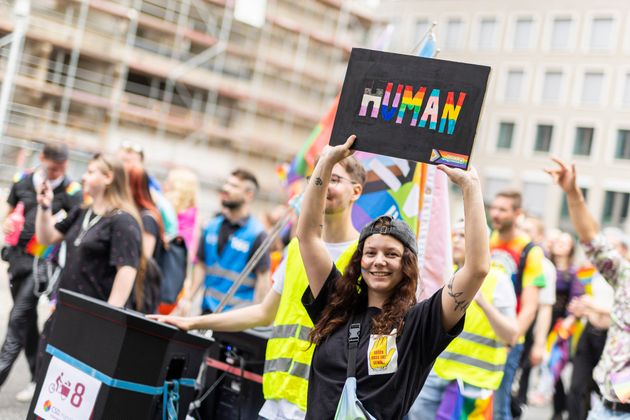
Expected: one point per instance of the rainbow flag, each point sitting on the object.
(561, 344)
(34, 248)
(456, 406)
(413, 192)
(585, 276)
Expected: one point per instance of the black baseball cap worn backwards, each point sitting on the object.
(387, 225)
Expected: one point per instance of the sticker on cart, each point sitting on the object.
(67, 393)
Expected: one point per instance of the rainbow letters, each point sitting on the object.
(390, 105)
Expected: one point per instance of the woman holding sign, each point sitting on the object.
(375, 343)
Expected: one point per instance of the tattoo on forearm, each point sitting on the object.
(318, 181)
(460, 304)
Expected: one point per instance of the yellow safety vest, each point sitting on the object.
(289, 351)
(476, 356)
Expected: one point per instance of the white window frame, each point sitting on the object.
(570, 131)
(538, 177)
(499, 19)
(499, 174)
(493, 134)
(578, 85)
(539, 86)
(534, 40)
(589, 17)
(526, 90)
(573, 33)
(611, 144)
(462, 44)
(530, 136)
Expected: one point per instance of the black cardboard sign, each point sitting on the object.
(414, 108)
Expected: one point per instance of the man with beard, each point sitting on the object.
(226, 244)
(289, 353)
(512, 252)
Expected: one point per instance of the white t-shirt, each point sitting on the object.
(283, 409)
(334, 249)
(603, 292)
(504, 295)
(547, 294)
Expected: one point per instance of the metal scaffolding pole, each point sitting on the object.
(21, 12)
(130, 39)
(72, 67)
(217, 67)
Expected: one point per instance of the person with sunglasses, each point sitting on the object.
(368, 325)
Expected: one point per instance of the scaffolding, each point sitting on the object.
(183, 72)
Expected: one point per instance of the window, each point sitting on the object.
(626, 91)
(422, 26)
(552, 86)
(454, 34)
(601, 34)
(622, 151)
(543, 138)
(534, 198)
(492, 186)
(564, 209)
(487, 36)
(560, 33)
(592, 87)
(583, 141)
(523, 33)
(506, 133)
(615, 208)
(514, 85)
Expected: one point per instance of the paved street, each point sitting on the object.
(10, 409)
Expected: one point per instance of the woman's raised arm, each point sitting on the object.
(463, 286)
(317, 261)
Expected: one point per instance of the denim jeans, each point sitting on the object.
(503, 395)
(426, 405)
(599, 412)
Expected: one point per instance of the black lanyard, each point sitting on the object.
(354, 332)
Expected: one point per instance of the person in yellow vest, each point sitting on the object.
(289, 352)
(478, 355)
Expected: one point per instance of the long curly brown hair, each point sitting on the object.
(346, 298)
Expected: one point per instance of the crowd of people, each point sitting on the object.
(350, 338)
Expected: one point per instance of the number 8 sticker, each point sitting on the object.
(77, 397)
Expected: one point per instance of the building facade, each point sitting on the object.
(207, 84)
(559, 86)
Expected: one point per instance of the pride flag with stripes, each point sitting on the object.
(456, 406)
(34, 248)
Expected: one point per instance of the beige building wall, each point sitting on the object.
(559, 64)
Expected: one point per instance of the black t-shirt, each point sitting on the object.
(91, 267)
(226, 231)
(24, 191)
(387, 391)
(150, 226)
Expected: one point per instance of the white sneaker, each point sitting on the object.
(26, 395)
